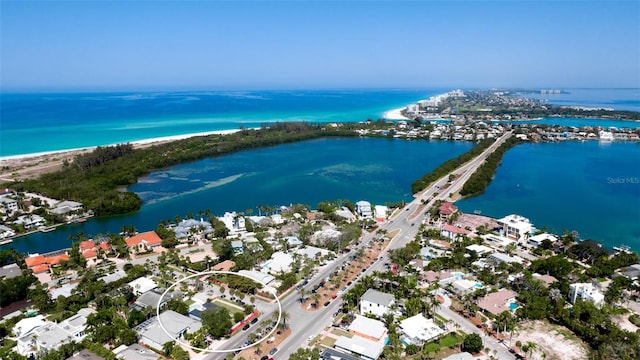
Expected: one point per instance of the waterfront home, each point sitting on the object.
(369, 329)
(64, 207)
(187, 227)
(30, 221)
(144, 242)
(234, 222)
(40, 263)
(177, 325)
(381, 212)
(515, 227)
(537, 240)
(363, 208)
(6, 232)
(497, 302)
(454, 232)
(447, 209)
(8, 205)
(586, 292)
(376, 302)
(418, 330)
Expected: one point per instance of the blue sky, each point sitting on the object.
(104, 45)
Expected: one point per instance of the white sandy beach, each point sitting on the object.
(395, 114)
(137, 143)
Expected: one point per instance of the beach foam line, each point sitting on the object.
(135, 142)
(395, 114)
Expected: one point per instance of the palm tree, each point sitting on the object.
(284, 317)
(316, 299)
(258, 346)
(302, 292)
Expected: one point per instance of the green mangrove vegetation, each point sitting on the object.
(482, 177)
(449, 166)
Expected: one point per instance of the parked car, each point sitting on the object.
(266, 357)
(327, 303)
(245, 327)
(255, 320)
(273, 351)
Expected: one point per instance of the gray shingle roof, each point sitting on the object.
(377, 297)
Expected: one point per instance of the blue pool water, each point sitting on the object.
(513, 306)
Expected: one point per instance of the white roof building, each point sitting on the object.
(464, 286)
(151, 334)
(536, 240)
(381, 212)
(499, 257)
(479, 249)
(280, 262)
(311, 252)
(515, 227)
(234, 222)
(587, 292)
(142, 285)
(41, 336)
(368, 328)
(367, 349)
(364, 209)
(417, 329)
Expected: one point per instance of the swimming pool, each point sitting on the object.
(478, 286)
(458, 274)
(513, 306)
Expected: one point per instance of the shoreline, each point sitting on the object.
(26, 166)
(135, 143)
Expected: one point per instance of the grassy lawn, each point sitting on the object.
(328, 342)
(341, 333)
(189, 302)
(450, 340)
(232, 308)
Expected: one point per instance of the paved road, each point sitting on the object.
(310, 323)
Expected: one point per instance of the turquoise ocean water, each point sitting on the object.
(590, 188)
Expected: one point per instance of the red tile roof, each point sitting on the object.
(89, 254)
(150, 237)
(35, 260)
(86, 245)
(54, 260)
(40, 269)
(456, 230)
(105, 246)
(447, 208)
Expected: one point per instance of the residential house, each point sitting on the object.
(142, 285)
(587, 292)
(363, 208)
(498, 302)
(446, 210)
(366, 349)
(332, 354)
(234, 222)
(454, 232)
(537, 240)
(6, 232)
(85, 354)
(30, 221)
(418, 330)
(226, 265)
(144, 242)
(40, 263)
(10, 271)
(175, 324)
(376, 302)
(135, 352)
(8, 205)
(498, 258)
(515, 227)
(65, 207)
(46, 336)
(367, 328)
(237, 246)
